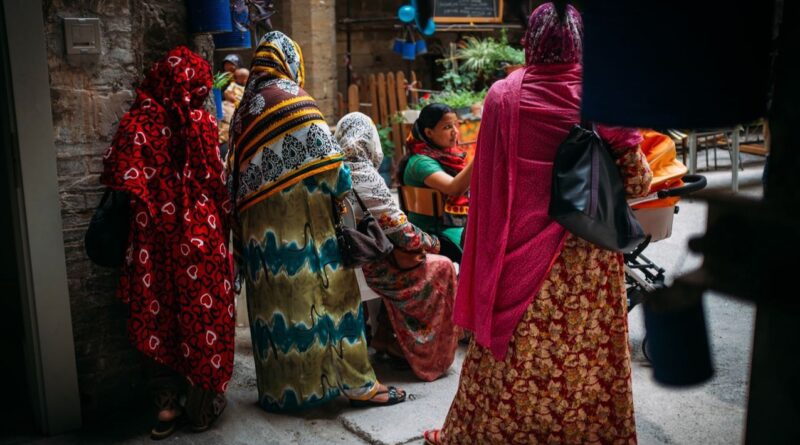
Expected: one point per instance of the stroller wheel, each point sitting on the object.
(645, 347)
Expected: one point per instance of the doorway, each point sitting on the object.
(19, 417)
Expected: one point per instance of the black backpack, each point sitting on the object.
(588, 196)
(107, 237)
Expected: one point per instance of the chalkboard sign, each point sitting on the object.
(468, 11)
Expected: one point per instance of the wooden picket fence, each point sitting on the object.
(380, 97)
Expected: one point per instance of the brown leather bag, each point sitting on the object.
(364, 244)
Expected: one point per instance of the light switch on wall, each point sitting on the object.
(82, 35)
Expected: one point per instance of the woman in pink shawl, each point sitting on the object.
(549, 361)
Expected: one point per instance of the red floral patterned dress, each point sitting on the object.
(177, 276)
(566, 378)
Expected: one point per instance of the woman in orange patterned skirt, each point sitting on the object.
(549, 361)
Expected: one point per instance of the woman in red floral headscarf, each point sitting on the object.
(177, 276)
(549, 361)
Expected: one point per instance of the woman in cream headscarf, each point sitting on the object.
(417, 286)
(304, 306)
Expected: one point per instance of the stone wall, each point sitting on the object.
(311, 23)
(88, 99)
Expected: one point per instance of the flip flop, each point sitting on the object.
(433, 437)
(394, 398)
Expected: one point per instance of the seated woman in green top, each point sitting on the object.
(433, 160)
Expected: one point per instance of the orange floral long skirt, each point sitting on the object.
(566, 378)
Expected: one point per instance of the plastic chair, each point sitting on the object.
(428, 202)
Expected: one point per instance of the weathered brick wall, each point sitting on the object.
(88, 99)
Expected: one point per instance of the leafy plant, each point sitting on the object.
(507, 53)
(221, 80)
(455, 99)
(482, 60)
(480, 56)
(484, 57)
(455, 80)
(385, 131)
(387, 144)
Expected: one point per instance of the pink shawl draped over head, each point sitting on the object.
(511, 242)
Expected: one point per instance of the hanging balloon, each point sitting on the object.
(424, 16)
(406, 13)
(428, 29)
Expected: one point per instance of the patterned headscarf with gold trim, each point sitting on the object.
(278, 134)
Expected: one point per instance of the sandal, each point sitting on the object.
(166, 400)
(394, 398)
(165, 428)
(433, 437)
(203, 408)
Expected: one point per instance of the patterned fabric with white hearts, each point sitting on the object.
(177, 276)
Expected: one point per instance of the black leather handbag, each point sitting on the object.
(366, 243)
(107, 237)
(588, 196)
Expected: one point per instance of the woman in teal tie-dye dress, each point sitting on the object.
(304, 306)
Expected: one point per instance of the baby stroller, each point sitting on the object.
(655, 213)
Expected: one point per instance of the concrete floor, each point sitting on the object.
(712, 413)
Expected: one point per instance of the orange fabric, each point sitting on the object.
(468, 137)
(667, 170)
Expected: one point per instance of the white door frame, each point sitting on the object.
(48, 342)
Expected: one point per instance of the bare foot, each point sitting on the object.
(382, 395)
(165, 415)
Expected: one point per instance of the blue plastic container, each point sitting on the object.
(209, 16)
(397, 47)
(218, 102)
(422, 47)
(233, 40)
(409, 50)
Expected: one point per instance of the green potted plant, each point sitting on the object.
(482, 62)
(387, 145)
(219, 83)
(460, 100)
(488, 59)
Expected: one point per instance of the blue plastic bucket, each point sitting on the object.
(209, 16)
(397, 47)
(422, 47)
(233, 40)
(409, 50)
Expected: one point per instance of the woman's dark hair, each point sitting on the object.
(561, 9)
(428, 118)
